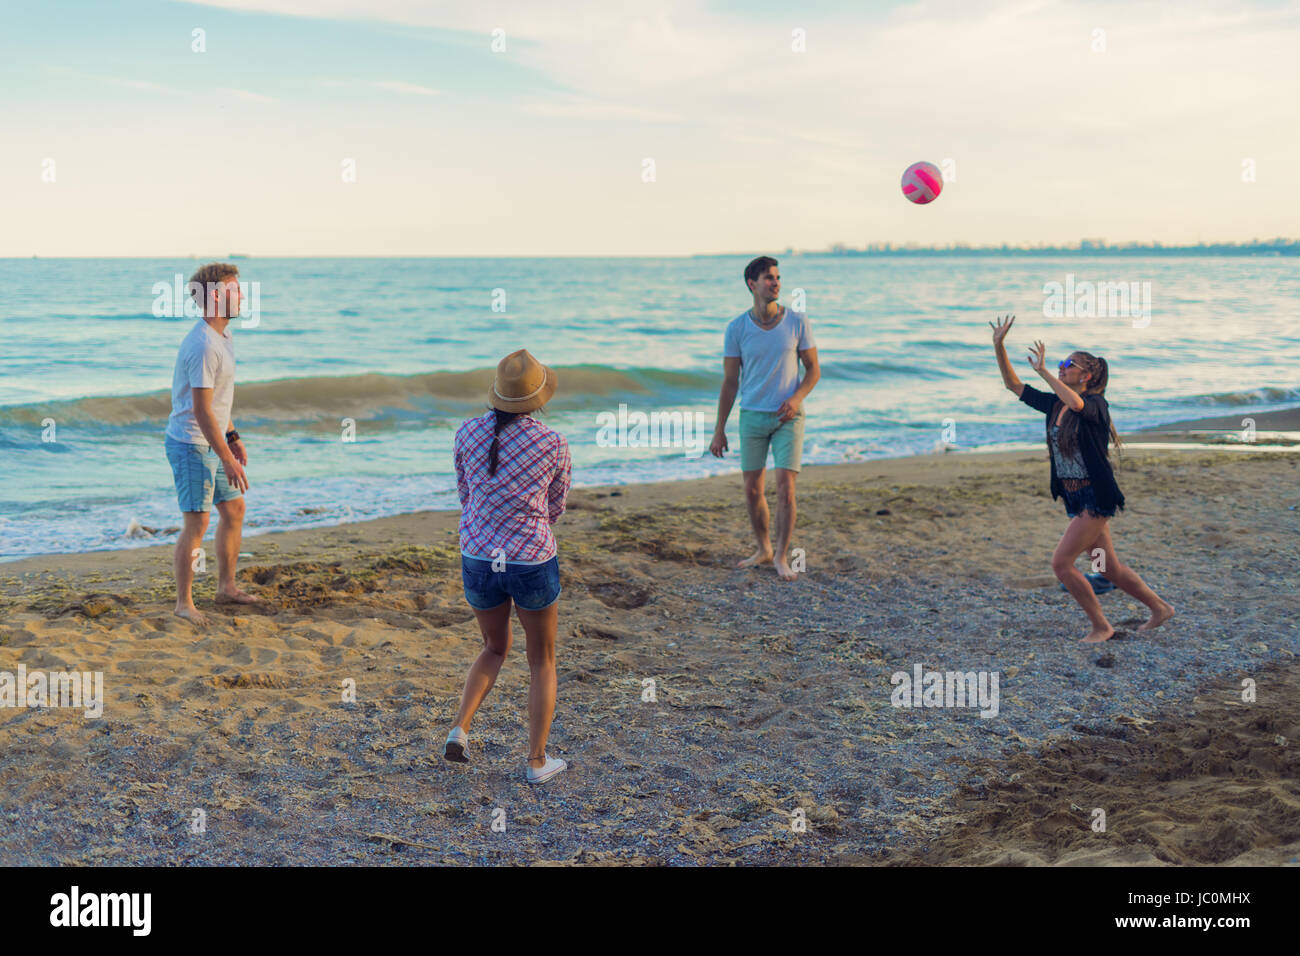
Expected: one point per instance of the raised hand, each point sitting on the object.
(1001, 329)
(1038, 356)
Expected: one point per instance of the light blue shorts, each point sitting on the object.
(199, 475)
(761, 430)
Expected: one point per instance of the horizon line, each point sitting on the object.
(1094, 247)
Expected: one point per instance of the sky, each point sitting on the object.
(392, 127)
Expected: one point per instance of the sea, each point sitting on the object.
(353, 374)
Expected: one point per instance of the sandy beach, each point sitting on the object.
(771, 738)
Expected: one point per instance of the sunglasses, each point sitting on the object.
(1066, 364)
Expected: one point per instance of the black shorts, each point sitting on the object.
(1084, 499)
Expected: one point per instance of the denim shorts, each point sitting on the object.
(199, 475)
(534, 587)
(1085, 498)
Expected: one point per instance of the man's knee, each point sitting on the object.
(232, 510)
(196, 522)
(785, 484)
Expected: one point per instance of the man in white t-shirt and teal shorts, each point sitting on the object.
(205, 452)
(762, 349)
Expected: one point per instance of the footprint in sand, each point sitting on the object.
(617, 594)
(447, 617)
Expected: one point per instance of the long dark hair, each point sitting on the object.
(1098, 376)
(503, 419)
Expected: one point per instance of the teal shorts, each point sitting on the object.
(199, 475)
(758, 430)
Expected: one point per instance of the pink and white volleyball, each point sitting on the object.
(922, 182)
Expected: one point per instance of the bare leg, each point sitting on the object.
(1080, 534)
(785, 512)
(539, 630)
(495, 626)
(759, 519)
(1128, 581)
(230, 532)
(190, 538)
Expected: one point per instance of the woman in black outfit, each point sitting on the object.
(1078, 432)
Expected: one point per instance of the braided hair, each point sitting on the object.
(502, 420)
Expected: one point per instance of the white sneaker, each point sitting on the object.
(457, 742)
(549, 769)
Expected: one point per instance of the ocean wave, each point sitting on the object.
(361, 396)
(867, 369)
(1253, 396)
(116, 317)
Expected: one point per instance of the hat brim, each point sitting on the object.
(525, 404)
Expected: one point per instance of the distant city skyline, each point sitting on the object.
(654, 127)
(1264, 248)
(1277, 246)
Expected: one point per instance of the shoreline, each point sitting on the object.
(1278, 430)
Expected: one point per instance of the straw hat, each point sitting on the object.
(522, 383)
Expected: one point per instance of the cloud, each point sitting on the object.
(398, 86)
(247, 95)
(119, 81)
(985, 67)
(391, 86)
(591, 109)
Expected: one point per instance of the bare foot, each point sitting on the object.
(236, 597)
(784, 572)
(1158, 617)
(1097, 635)
(755, 559)
(191, 614)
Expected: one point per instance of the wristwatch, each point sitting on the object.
(232, 436)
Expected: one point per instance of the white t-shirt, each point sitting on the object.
(206, 360)
(769, 359)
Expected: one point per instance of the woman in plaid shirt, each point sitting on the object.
(513, 475)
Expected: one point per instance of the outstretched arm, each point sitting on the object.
(1009, 378)
(1038, 359)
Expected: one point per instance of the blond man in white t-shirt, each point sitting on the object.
(206, 453)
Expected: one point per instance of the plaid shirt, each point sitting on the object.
(514, 509)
